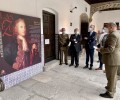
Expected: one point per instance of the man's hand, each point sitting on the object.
(74, 39)
(85, 38)
(98, 49)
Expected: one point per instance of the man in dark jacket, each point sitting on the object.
(89, 46)
(111, 59)
(75, 47)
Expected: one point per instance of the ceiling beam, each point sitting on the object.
(97, 1)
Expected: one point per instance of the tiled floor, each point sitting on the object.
(62, 83)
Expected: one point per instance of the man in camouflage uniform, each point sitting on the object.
(111, 59)
(63, 43)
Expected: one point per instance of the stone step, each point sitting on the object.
(50, 65)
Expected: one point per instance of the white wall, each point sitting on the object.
(101, 17)
(61, 8)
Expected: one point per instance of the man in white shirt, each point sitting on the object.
(101, 45)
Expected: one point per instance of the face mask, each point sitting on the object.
(76, 32)
(107, 30)
(103, 31)
(90, 29)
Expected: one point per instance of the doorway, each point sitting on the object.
(84, 27)
(84, 30)
(49, 35)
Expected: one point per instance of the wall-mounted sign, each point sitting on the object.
(47, 41)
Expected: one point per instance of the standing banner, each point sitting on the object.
(20, 42)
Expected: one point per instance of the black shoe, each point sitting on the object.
(66, 63)
(85, 67)
(106, 95)
(70, 65)
(60, 64)
(106, 87)
(76, 66)
(90, 68)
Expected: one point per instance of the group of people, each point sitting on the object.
(74, 48)
(108, 48)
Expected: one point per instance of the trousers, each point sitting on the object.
(111, 75)
(63, 54)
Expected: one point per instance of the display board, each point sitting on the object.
(20, 42)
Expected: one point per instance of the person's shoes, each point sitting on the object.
(66, 63)
(98, 69)
(106, 87)
(85, 67)
(90, 68)
(60, 64)
(106, 95)
(76, 66)
(70, 65)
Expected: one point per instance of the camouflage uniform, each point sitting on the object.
(63, 43)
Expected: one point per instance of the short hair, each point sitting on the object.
(112, 24)
(63, 29)
(76, 29)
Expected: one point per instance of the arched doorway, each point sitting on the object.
(84, 26)
(49, 32)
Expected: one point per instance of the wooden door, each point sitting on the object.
(49, 35)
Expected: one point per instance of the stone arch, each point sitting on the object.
(103, 6)
(84, 23)
(84, 17)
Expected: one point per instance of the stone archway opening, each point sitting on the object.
(84, 24)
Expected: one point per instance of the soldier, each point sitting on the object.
(111, 59)
(63, 43)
